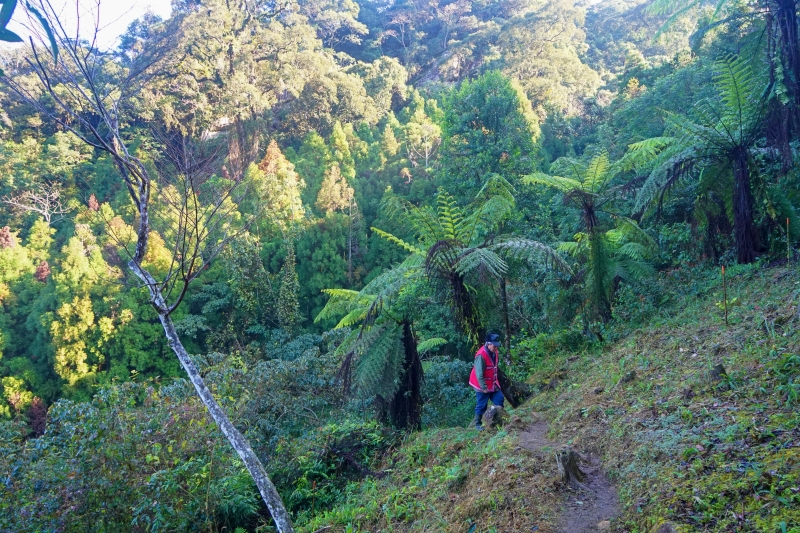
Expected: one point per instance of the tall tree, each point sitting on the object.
(489, 128)
(335, 194)
(288, 306)
(95, 113)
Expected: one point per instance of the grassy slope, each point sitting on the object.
(705, 454)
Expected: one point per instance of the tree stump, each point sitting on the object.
(568, 468)
(718, 373)
(494, 417)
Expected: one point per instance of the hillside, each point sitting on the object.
(686, 447)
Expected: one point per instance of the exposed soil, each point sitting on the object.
(589, 509)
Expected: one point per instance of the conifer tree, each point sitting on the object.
(340, 150)
(335, 194)
(288, 295)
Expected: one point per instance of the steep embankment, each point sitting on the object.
(695, 421)
(691, 421)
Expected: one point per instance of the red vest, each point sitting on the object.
(489, 374)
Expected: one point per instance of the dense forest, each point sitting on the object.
(282, 229)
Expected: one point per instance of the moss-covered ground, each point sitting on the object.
(684, 442)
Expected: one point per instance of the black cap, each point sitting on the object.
(494, 338)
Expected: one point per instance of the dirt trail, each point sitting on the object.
(585, 511)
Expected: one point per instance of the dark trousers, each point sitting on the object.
(483, 400)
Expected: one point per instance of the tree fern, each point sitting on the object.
(380, 356)
(720, 134)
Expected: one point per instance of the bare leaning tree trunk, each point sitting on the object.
(257, 471)
(85, 99)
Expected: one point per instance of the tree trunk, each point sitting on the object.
(786, 17)
(743, 227)
(268, 491)
(406, 404)
(598, 264)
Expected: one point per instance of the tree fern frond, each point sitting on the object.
(481, 259)
(341, 302)
(346, 345)
(565, 185)
(643, 153)
(496, 185)
(627, 268)
(343, 294)
(379, 360)
(573, 248)
(597, 174)
(737, 84)
(669, 7)
(399, 242)
(530, 250)
(630, 231)
(390, 280)
(485, 219)
(430, 344)
(680, 164)
(449, 214)
(395, 207)
(352, 318)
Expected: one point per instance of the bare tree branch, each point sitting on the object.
(46, 201)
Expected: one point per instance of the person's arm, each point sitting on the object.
(480, 369)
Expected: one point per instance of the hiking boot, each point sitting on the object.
(477, 423)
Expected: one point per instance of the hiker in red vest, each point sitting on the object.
(484, 378)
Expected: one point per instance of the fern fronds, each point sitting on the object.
(352, 318)
(679, 163)
(380, 357)
(597, 174)
(496, 185)
(565, 185)
(573, 248)
(530, 250)
(484, 219)
(643, 153)
(341, 302)
(430, 344)
(450, 216)
(737, 84)
(481, 259)
(399, 242)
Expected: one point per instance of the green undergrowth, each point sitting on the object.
(451, 480)
(702, 446)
